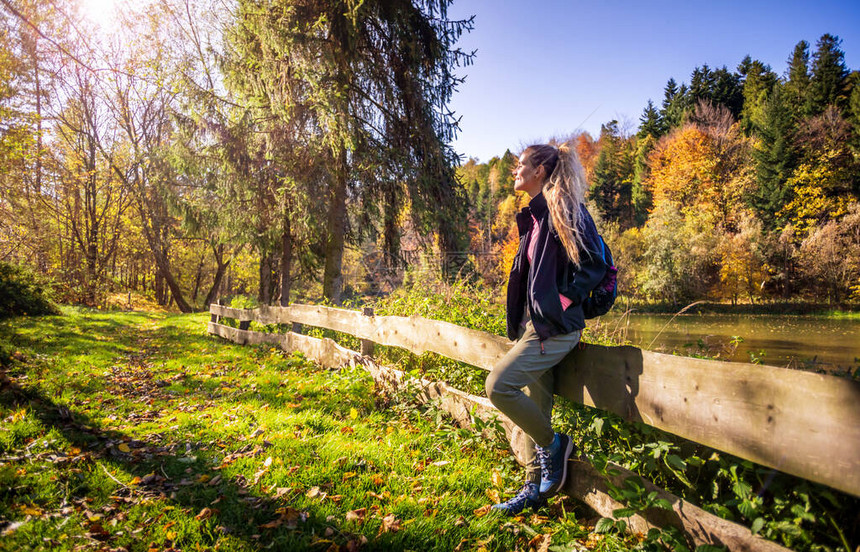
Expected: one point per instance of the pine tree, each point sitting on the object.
(775, 160)
(719, 87)
(612, 179)
(650, 122)
(374, 79)
(675, 102)
(827, 83)
(797, 81)
(759, 80)
(641, 195)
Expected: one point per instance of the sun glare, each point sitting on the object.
(101, 12)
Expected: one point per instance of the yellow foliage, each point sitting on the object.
(702, 173)
(816, 198)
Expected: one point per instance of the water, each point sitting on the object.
(778, 340)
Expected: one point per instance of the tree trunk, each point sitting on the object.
(265, 292)
(162, 262)
(333, 276)
(286, 261)
(214, 291)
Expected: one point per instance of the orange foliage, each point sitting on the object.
(587, 149)
(701, 170)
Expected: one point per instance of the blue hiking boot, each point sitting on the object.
(528, 497)
(553, 464)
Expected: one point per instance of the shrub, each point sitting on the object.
(23, 293)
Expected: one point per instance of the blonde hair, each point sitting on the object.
(564, 189)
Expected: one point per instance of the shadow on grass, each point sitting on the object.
(171, 472)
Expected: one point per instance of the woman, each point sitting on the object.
(558, 263)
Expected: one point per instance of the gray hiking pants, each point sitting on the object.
(521, 387)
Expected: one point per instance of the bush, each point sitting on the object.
(23, 293)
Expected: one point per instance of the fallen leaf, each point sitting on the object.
(493, 495)
(268, 461)
(441, 463)
(497, 479)
(135, 481)
(313, 492)
(356, 515)
(353, 413)
(390, 524)
(272, 524)
(378, 481)
(482, 511)
(281, 491)
(205, 513)
(348, 475)
(541, 542)
(124, 448)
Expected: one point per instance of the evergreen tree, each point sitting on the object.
(612, 180)
(854, 110)
(827, 83)
(650, 122)
(727, 90)
(720, 87)
(797, 81)
(675, 102)
(775, 160)
(374, 78)
(641, 196)
(758, 81)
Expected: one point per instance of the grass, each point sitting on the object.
(138, 431)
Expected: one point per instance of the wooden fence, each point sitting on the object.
(797, 422)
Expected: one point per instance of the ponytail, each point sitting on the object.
(564, 191)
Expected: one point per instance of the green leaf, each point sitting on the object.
(663, 504)
(623, 513)
(675, 461)
(742, 489)
(747, 508)
(710, 548)
(757, 525)
(604, 525)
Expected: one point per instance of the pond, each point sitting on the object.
(808, 342)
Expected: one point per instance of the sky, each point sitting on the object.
(548, 68)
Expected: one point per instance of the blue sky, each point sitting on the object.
(548, 68)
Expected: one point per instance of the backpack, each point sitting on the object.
(602, 297)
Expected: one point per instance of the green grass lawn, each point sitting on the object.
(138, 431)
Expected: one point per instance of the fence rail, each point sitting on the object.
(797, 422)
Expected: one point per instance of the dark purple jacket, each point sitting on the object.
(551, 272)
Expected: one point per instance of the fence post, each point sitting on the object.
(366, 344)
(214, 317)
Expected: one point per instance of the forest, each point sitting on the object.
(214, 149)
(742, 186)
